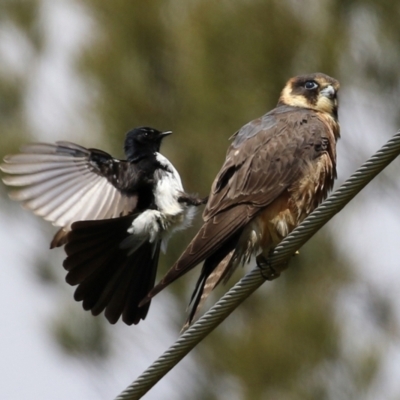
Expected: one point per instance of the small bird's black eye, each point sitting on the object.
(310, 85)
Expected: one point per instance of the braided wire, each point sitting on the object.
(249, 283)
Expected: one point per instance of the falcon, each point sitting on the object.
(115, 215)
(278, 168)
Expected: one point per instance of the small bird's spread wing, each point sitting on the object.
(114, 261)
(64, 182)
(266, 158)
(115, 215)
(109, 275)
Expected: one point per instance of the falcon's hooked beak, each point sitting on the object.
(328, 92)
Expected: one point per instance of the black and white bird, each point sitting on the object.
(115, 215)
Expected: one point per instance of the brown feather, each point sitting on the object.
(213, 234)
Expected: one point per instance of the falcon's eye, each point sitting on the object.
(310, 85)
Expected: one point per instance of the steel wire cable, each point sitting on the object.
(255, 278)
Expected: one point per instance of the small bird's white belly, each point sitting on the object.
(170, 215)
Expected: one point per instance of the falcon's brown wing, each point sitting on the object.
(261, 167)
(267, 157)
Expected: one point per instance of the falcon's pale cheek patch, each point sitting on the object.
(290, 98)
(325, 105)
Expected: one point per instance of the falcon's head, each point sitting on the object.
(315, 91)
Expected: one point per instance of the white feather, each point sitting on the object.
(170, 216)
(59, 183)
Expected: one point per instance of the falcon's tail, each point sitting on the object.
(216, 268)
(211, 275)
(215, 239)
(109, 276)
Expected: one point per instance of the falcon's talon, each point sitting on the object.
(191, 200)
(267, 272)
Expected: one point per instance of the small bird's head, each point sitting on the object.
(143, 141)
(315, 91)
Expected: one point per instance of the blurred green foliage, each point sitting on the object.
(203, 69)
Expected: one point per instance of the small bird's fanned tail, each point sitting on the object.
(59, 239)
(109, 277)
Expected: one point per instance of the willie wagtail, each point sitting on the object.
(115, 215)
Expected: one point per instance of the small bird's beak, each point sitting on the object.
(166, 133)
(328, 92)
